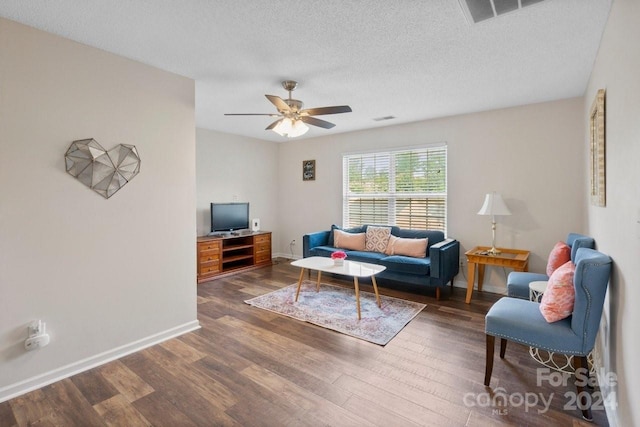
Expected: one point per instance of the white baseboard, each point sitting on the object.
(486, 287)
(608, 390)
(285, 255)
(34, 383)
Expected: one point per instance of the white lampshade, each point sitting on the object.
(290, 128)
(494, 205)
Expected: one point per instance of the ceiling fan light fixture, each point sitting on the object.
(293, 118)
(299, 128)
(290, 128)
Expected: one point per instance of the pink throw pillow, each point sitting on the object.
(559, 298)
(416, 248)
(560, 254)
(353, 241)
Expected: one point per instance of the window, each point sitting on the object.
(407, 188)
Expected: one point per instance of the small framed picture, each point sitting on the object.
(308, 170)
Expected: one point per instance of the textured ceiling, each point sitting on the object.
(410, 59)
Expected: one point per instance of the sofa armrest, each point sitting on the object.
(311, 240)
(445, 257)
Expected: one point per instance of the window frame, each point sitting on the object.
(392, 195)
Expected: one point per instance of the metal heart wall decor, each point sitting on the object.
(105, 172)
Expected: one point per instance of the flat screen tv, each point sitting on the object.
(229, 216)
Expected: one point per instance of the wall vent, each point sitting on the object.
(481, 10)
(380, 119)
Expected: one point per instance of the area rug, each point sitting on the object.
(334, 307)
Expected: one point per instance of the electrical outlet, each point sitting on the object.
(37, 342)
(38, 336)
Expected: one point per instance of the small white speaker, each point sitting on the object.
(255, 224)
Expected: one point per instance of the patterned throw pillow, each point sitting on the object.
(416, 248)
(353, 241)
(557, 301)
(377, 238)
(560, 254)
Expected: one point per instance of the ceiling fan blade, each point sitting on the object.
(317, 122)
(252, 114)
(272, 125)
(279, 103)
(327, 110)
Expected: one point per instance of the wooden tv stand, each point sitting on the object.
(219, 256)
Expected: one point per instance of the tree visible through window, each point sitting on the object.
(407, 188)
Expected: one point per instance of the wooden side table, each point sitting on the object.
(511, 258)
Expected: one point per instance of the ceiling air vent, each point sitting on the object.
(481, 10)
(380, 119)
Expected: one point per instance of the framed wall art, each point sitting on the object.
(597, 177)
(308, 170)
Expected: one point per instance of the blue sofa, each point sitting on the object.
(436, 270)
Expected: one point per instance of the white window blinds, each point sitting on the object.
(407, 188)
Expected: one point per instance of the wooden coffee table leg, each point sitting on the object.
(375, 289)
(318, 282)
(299, 283)
(355, 284)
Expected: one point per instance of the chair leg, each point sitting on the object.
(503, 347)
(438, 294)
(488, 367)
(583, 403)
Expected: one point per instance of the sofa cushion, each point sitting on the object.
(331, 241)
(405, 264)
(325, 251)
(365, 256)
(353, 241)
(377, 238)
(394, 228)
(416, 248)
(434, 236)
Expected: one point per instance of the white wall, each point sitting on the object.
(231, 168)
(616, 227)
(532, 155)
(107, 276)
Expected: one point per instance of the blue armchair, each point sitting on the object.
(518, 282)
(514, 319)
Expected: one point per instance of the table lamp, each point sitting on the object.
(494, 205)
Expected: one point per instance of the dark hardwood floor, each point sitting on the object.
(250, 367)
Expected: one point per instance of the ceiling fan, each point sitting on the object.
(292, 116)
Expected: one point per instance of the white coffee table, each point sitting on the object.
(354, 269)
